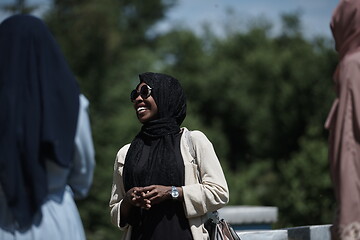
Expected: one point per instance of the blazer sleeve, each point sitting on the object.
(210, 192)
(81, 174)
(118, 190)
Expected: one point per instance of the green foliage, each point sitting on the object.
(98, 39)
(261, 99)
(267, 99)
(260, 178)
(306, 180)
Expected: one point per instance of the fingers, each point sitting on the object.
(135, 197)
(156, 193)
(145, 197)
(149, 194)
(147, 204)
(148, 188)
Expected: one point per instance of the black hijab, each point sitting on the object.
(39, 103)
(158, 134)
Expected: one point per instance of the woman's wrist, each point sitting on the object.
(125, 207)
(126, 203)
(175, 193)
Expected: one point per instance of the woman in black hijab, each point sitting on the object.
(41, 149)
(159, 190)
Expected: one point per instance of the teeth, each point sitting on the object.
(140, 109)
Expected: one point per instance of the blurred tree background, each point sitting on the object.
(261, 98)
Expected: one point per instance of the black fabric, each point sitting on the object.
(159, 134)
(39, 102)
(166, 220)
(154, 158)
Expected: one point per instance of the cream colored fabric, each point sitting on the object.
(199, 199)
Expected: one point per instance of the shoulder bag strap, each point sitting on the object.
(193, 153)
(210, 215)
(191, 145)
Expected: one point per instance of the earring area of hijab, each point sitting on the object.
(145, 92)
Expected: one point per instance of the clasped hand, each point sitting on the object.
(145, 197)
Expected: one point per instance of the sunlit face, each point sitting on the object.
(146, 108)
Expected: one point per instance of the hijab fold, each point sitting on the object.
(39, 102)
(156, 140)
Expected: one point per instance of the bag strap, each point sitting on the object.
(191, 145)
(214, 216)
(193, 153)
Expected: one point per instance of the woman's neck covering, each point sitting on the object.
(158, 134)
(345, 26)
(39, 103)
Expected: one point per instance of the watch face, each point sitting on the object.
(174, 192)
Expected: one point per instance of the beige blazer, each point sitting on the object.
(199, 198)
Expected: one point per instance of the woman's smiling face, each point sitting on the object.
(145, 108)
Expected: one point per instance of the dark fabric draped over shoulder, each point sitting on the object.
(39, 103)
(158, 134)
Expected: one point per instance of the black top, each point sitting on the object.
(165, 220)
(154, 158)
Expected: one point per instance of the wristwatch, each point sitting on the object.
(174, 193)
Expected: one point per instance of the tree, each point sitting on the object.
(105, 43)
(261, 99)
(265, 99)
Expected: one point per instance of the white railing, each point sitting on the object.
(254, 223)
(314, 232)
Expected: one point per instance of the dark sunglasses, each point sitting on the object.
(145, 92)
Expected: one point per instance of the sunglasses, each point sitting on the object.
(145, 92)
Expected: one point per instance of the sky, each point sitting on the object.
(315, 14)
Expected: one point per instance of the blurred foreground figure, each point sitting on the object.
(344, 121)
(46, 149)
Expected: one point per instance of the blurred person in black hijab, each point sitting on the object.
(46, 148)
(159, 190)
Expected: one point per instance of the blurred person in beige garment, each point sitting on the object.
(343, 121)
